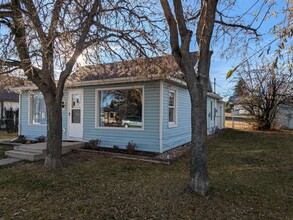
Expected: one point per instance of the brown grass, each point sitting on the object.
(3, 147)
(242, 125)
(7, 137)
(251, 176)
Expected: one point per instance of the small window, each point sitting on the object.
(172, 107)
(38, 114)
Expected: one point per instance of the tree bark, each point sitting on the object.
(54, 131)
(198, 163)
(197, 82)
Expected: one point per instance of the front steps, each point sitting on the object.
(25, 155)
(34, 152)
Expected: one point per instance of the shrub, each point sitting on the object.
(94, 143)
(41, 139)
(131, 147)
(20, 139)
(115, 148)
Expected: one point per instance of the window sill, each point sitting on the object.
(42, 125)
(121, 128)
(172, 125)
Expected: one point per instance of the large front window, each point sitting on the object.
(38, 109)
(120, 108)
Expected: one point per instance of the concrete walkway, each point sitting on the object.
(8, 161)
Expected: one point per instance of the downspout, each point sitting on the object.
(161, 116)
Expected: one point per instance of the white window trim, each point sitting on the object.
(97, 109)
(175, 123)
(30, 120)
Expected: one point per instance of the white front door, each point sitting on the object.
(75, 114)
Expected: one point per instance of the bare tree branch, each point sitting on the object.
(174, 40)
(35, 19)
(54, 20)
(248, 28)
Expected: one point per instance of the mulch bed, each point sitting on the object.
(163, 158)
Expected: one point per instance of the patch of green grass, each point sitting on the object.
(251, 175)
(4, 148)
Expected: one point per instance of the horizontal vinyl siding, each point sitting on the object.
(211, 122)
(146, 139)
(181, 134)
(33, 131)
(65, 115)
(176, 136)
(29, 131)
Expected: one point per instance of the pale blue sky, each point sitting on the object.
(219, 67)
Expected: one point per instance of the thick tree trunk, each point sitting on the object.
(54, 132)
(198, 93)
(198, 162)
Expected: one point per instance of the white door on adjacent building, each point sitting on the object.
(75, 114)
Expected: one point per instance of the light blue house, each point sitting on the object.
(143, 101)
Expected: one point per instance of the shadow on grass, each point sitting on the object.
(250, 177)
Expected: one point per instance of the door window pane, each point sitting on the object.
(75, 101)
(75, 116)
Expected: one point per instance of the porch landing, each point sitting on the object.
(34, 152)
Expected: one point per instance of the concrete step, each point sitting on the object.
(28, 148)
(25, 155)
(34, 152)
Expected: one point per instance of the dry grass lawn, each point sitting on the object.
(251, 175)
(6, 136)
(242, 125)
(3, 148)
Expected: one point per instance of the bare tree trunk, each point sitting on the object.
(54, 132)
(198, 162)
(198, 93)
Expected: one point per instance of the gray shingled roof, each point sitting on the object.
(159, 66)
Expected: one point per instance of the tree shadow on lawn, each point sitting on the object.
(247, 177)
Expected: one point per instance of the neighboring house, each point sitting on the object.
(239, 110)
(150, 96)
(8, 101)
(284, 116)
(9, 110)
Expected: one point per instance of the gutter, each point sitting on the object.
(214, 95)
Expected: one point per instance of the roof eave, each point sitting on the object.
(109, 81)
